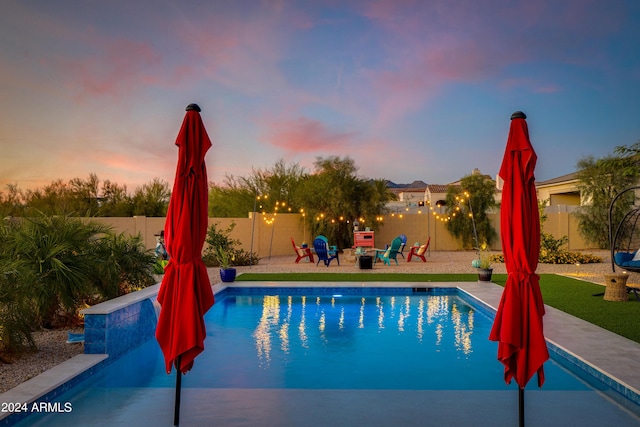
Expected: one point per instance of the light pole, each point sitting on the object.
(473, 222)
(429, 227)
(304, 225)
(253, 227)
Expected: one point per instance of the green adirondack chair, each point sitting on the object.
(391, 253)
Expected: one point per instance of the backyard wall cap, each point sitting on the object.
(193, 107)
(518, 115)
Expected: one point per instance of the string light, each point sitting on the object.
(459, 200)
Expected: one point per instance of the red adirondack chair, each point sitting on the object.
(419, 251)
(302, 252)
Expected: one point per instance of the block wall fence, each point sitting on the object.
(275, 239)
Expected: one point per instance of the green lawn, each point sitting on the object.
(566, 294)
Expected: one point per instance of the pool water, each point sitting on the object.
(264, 352)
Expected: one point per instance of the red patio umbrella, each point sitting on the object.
(185, 293)
(518, 323)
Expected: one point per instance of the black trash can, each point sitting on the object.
(366, 262)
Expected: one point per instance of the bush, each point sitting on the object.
(125, 265)
(17, 316)
(56, 256)
(551, 252)
(159, 266)
(561, 257)
(550, 245)
(220, 239)
(51, 267)
(241, 257)
(564, 257)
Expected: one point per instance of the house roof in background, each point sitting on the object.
(439, 188)
(564, 178)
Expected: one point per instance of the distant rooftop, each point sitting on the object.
(439, 188)
(564, 178)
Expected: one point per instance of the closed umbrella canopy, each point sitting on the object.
(185, 293)
(518, 323)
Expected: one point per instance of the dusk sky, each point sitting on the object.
(409, 89)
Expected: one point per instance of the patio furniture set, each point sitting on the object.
(365, 254)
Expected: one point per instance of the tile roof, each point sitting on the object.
(564, 178)
(439, 188)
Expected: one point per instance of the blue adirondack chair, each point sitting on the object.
(323, 252)
(332, 249)
(391, 253)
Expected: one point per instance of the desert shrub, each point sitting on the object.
(159, 266)
(124, 265)
(552, 252)
(56, 256)
(17, 316)
(241, 257)
(565, 257)
(551, 245)
(52, 266)
(561, 257)
(220, 239)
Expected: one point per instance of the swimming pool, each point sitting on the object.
(344, 356)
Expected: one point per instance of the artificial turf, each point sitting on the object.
(572, 296)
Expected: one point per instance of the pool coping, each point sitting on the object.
(49, 381)
(605, 355)
(115, 304)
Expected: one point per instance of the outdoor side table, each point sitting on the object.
(365, 262)
(616, 289)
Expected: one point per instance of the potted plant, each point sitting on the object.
(483, 263)
(227, 273)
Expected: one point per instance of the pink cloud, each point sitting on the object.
(243, 54)
(417, 78)
(303, 135)
(551, 88)
(117, 70)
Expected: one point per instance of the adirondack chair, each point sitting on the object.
(419, 251)
(391, 253)
(403, 237)
(302, 252)
(332, 249)
(323, 253)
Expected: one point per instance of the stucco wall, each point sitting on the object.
(275, 238)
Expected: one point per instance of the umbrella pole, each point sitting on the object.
(521, 406)
(176, 409)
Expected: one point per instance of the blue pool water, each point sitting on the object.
(263, 352)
